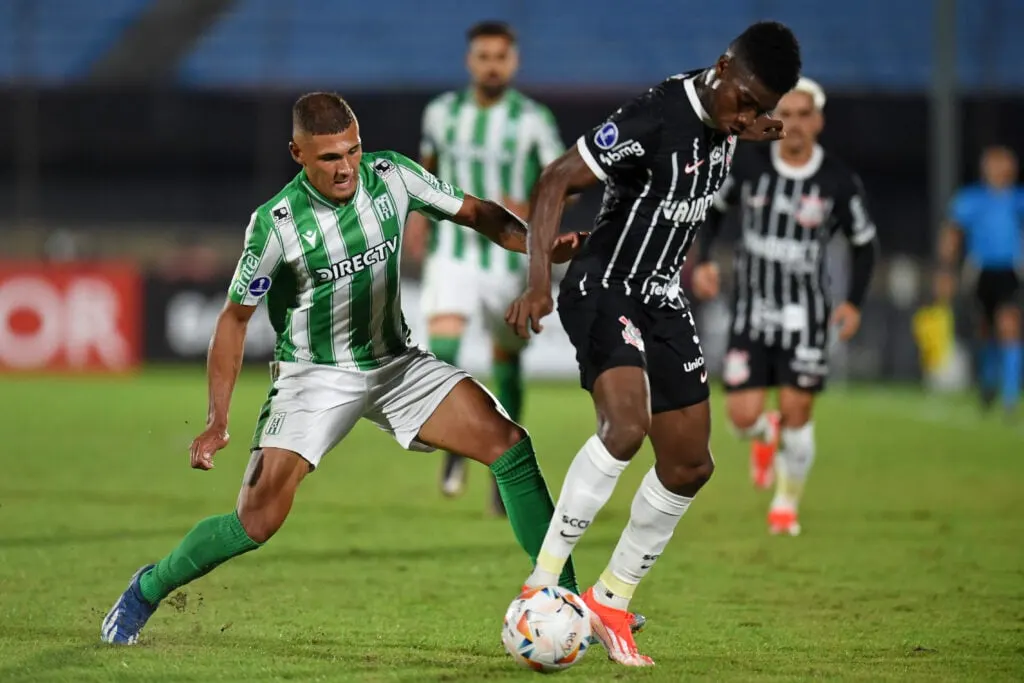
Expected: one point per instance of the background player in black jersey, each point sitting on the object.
(793, 197)
(662, 157)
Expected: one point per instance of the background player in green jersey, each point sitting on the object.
(324, 254)
(493, 141)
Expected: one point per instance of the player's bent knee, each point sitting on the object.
(502, 437)
(687, 477)
(260, 528)
(741, 417)
(511, 434)
(446, 325)
(744, 408)
(624, 437)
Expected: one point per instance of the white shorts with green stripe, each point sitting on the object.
(455, 286)
(311, 408)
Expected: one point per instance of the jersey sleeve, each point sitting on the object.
(548, 140)
(852, 213)
(627, 140)
(260, 262)
(427, 194)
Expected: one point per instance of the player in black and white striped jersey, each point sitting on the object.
(661, 158)
(793, 197)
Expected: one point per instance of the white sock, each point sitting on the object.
(653, 518)
(587, 487)
(757, 431)
(792, 464)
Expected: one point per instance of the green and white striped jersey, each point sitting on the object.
(494, 152)
(329, 272)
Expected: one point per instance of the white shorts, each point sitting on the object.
(461, 287)
(312, 407)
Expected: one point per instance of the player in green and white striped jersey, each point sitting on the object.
(493, 141)
(324, 254)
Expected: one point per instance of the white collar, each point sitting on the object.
(698, 108)
(797, 172)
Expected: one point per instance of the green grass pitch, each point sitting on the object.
(911, 566)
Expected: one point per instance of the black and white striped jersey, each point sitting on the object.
(787, 217)
(661, 162)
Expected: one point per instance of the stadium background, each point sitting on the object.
(144, 131)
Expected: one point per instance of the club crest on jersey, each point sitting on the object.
(810, 212)
(383, 207)
(607, 135)
(630, 333)
(351, 266)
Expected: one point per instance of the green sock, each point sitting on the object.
(446, 349)
(509, 383)
(528, 503)
(209, 543)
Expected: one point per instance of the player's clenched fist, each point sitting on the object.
(525, 312)
(206, 444)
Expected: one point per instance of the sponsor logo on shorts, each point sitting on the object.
(275, 424)
(807, 381)
(697, 362)
(630, 333)
(737, 367)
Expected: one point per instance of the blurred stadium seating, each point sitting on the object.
(873, 44)
(163, 169)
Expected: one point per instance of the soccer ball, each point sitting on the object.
(546, 629)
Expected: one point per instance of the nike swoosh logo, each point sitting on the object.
(703, 377)
(646, 566)
(690, 168)
(565, 535)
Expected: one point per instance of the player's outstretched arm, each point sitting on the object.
(223, 363)
(504, 228)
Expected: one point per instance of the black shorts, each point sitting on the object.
(996, 288)
(611, 329)
(752, 364)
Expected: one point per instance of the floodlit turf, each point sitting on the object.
(911, 566)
